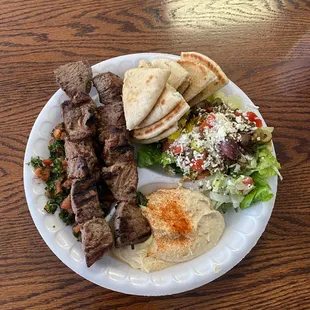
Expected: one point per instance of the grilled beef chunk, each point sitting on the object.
(117, 149)
(110, 119)
(85, 201)
(109, 87)
(81, 159)
(130, 226)
(122, 179)
(74, 77)
(97, 238)
(79, 116)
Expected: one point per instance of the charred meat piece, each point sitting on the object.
(85, 201)
(81, 159)
(79, 116)
(109, 87)
(117, 149)
(74, 77)
(97, 238)
(122, 179)
(130, 225)
(110, 118)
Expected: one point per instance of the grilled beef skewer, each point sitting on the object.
(121, 173)
(79, 116)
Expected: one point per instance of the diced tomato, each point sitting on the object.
(58, 187)
(76, 228)
(251, 116)
(254, 118)
(208, 122)
(237, 113)
(64, 164)
(57, 133)
(66, 204)
(43, 173)
(247, 181)
(197, 165)
(47, 162)
(176, 149)
(258, 122)
(209, 110)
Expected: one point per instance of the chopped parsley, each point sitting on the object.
(57, 148)
(35, 162)
(141, 199)
(66, 217)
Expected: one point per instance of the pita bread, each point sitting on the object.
(183, 87)
(178, 73)
(207, 92)
(145, 64)
(221, 78)
(163, 124)
(161, 136)
(167, 101)
(200, 78)
(141, 90)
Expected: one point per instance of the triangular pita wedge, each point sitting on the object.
(221, 78)
(207, 92)
(161, 136)
(183, 87)
(178, 73)
(163, 124)
(200, 78)
(145, 64)
(167, 101)
(141, 90)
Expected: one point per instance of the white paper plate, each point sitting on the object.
(243, 229)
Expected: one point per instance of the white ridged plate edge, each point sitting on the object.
(243, 229)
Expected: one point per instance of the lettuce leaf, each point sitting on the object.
(148, 155)
(261, 192)
(151, 154)
(166, 159)
(267, 164)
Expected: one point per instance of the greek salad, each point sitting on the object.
(227, 149)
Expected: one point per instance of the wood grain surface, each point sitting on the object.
(263, 46)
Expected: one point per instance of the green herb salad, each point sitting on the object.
(226, 149)
(53, 171)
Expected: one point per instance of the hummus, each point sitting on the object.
(184, 226)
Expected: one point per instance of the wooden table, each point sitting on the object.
(263, 46)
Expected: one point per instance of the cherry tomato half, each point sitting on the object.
(258, 122)
(197, 165)
(254, 118)
(177, 149)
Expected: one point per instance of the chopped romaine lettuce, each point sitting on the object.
(148, 155)
(261, 193)
(166, 159)
(267, 164)
(151, 154)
